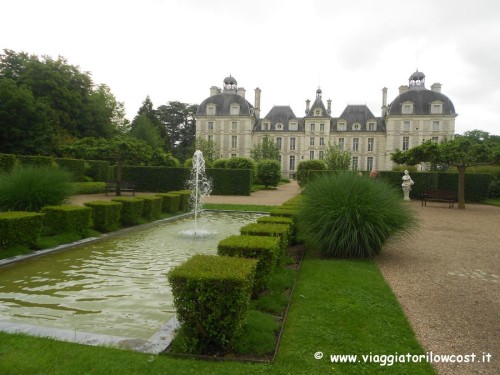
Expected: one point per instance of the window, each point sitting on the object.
(371, 126)
(355, 127)
(435, 126)
(407, 108)
(321, 155)
(210, 138)
(211, 110)
(354, 163)
(279, 126)
(311, 155)
(292, 162)
(371, 142)
(278, 142)
(234, 125)
(235, 110)
(341, 144)
(406, 143)
(321, 127)
(355, 144)
(311, 141)
(234, 141)
(369, 163)
(341, 126)
(210, 125)
(321, 141)
(293, 126)
(313, 127)
(406, 126)
(317, 112)
(292, 144)
(233, 155)
(265, 126)
(436, 108)
(435, 139)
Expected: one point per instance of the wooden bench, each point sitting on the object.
(439, 196)
(125, 186)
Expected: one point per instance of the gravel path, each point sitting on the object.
(446, 276)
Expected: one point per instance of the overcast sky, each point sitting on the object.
(176, 50)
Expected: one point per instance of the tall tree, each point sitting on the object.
(147, 111)
(179, 122)
(144, 130)
(265, 150)
(207, 147)
(473, 148)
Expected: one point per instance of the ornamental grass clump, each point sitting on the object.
(351, 216)
(29, 188)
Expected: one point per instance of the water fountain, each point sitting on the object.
(200, 186)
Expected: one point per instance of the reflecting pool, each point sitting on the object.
(113, 286)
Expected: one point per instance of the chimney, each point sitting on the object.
(214, 90)
(257, 102)
(403, 88)
(308, 102)
(384, 101)
(436, 87)
(329, 106)
(241, 92)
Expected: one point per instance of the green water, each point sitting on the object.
(114, 286)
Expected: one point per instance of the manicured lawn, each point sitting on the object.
(339, 307)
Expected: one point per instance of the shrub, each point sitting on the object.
(76, 167)
(131, 213)
(494, 188)
(152, 207)
(219, 163)
(185, 196)
(30, 188)
(265, 249)
(98, 170)
(303, 170)
(105, 215)
(19, 228)
(60, 219)
(230, 181)
(347, 216)
(88, 187)
(36, 161)
(241, 162)
(269, 172)
(282, 231)
(7, 162)
(171, 202)
(280, 220)
(211, 295)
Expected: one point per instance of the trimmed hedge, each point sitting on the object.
(89, 187)
(185, 197)
(60, 219)
(20, 228)
(280, 220)
(265, 249)
(171, 202)
(230, 181)
(152, 207)
(131, 211)
(105, 215)
(36, 160)
(211, 296)
(74, 166)
(156, 179)
(7, 162)
(98, 170)
(282, 231)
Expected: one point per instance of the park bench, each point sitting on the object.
(125, 186)
(439, 196)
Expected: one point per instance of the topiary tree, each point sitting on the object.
(348, 216)
(269, 172)
(29, 188)
(303, 170)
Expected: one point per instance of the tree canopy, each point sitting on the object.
(265, 150)
(473, 148)
(336, 159)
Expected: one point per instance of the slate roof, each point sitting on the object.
(358, 114)
(280, 114)
(223, 104)
(422, 100)
(318, 103)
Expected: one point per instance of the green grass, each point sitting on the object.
(237, 207)
(492, 201)
(339, 307)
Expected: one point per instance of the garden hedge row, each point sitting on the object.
(59, 219)
(211, 295)
(20, 228)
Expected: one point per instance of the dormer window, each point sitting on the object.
(235, 109)
(265, 126)
(356, 127)
(293, 126)
(371, 126)
(341, 126)
(436, 108)
(407, 108)
(317, 112)
(279, 126)
(211, 109)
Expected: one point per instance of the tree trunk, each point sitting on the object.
(461, 186)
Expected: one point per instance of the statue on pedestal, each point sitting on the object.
(406, 185)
